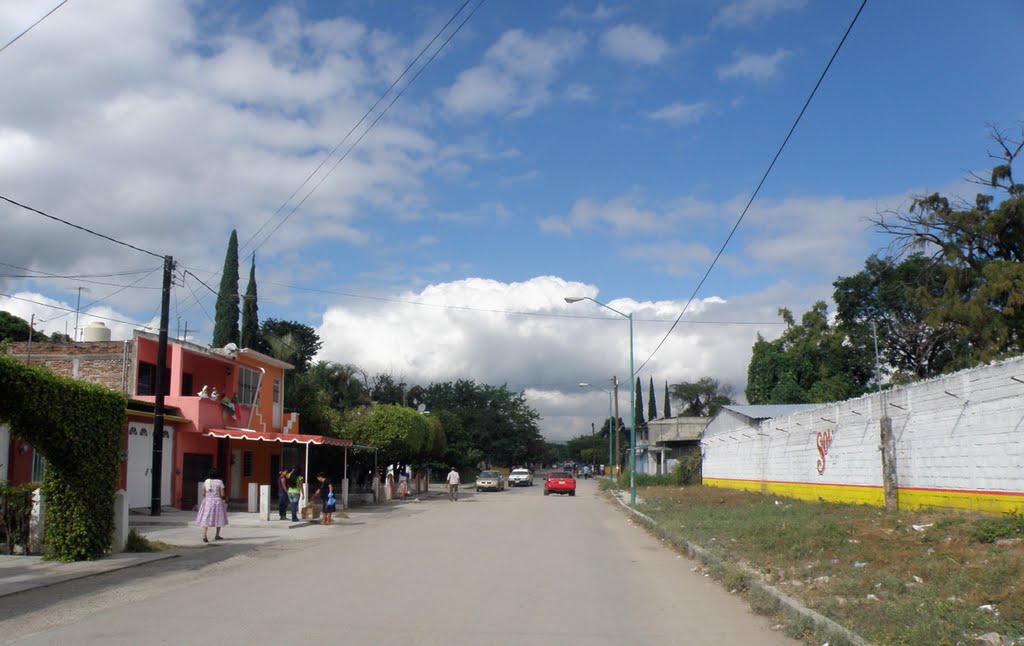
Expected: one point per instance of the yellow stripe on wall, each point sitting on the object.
(909, 499)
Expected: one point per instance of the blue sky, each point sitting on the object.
(551, 149)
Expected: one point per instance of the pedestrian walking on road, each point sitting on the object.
(403, 484)
(295, 481)
(282, 493)
(213, 510)
(453, 485)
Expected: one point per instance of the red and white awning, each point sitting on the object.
(286, 438)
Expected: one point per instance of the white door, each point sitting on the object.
(5, 447)
(140, 465)
(278, 398)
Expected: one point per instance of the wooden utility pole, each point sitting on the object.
(161, 367)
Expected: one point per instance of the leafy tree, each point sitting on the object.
(702, 398)
(385, 390)
(652, 408)
(289, 341)
(668, 403)
(15, 328)
(811, 362)
(979, 247)
(60, 337)
(891, 298)
(250, 312)
(225, 323)
(322, 393)
(401, 434)
(638, 407)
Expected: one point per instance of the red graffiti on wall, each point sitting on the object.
(824, 441)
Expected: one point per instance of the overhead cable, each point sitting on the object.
(757, 190)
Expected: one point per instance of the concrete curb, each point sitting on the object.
(704, 556)
(23, 573)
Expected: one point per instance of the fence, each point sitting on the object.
(955, 443)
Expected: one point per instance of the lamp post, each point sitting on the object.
(611, 469)
(632, 394)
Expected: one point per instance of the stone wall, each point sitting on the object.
(98, 362)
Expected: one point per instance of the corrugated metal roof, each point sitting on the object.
(768, 411)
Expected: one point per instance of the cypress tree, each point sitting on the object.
(652, 408)
(250, 312)
(225, 323)
(638, 406)
(668, 403)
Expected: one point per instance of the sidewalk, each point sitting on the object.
(178, 529)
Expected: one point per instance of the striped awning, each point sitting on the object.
(286, 438)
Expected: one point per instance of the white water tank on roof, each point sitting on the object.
(96, 331)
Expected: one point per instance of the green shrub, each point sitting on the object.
(1010, 526)
(77, 427)
(15, 514)
(138, 543)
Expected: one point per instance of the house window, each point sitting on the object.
(248, 385)
(277, 391)
(247, 464)
(146, 383)
(38, 466)
(186, 384)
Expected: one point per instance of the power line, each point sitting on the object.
(71, 311)
(82, 278)
(361, 120)
(32, 26)
(757, 190)
(81, 228)
(374, 122)
(108, 296)
(79, 276)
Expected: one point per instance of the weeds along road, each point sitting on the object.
(511, 567)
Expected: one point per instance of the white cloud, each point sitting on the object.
(580, 93)
(757, 67)
(516, 75)
(677, 114)
(635, 44)
(600, 13)
(747, 12)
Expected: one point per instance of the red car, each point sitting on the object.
(560, 482)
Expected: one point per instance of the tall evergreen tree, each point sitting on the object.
(250, 312)
(225, 323)
(638, 406)
(668, 403)
(652, 407)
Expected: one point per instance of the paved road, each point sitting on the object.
(494, 568)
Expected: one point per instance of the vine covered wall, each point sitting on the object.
(77, 427)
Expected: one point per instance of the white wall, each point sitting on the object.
(5, 450)
(962, 432)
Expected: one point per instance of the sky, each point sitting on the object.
(430, 225)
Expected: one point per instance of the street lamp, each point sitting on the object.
(611, 464)
(632, 394)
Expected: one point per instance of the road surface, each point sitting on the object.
(512, 567)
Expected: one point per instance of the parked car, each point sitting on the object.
(490, 480)
(520, 477)
(560, 482)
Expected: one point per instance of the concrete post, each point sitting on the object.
(889, 479)
(253, 501)
(120, 520)
(344, 493)
(264, 502)
(36, 524)
(376, 487)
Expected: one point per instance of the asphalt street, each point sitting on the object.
(493, 568)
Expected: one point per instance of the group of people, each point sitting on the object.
(289, 490)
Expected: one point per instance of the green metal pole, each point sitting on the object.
(632, 419)
(610, 432)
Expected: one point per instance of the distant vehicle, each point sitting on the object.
(560, 482)
(490, 480)
(520, 477)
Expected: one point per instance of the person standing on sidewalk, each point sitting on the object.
(213, 510)
(282, 493)
(453, 485)
(295, 481)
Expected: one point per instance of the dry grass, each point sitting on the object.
(954, 577)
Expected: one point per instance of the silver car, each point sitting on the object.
(491, 480)
(520, 477)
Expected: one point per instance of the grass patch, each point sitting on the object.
(138, 543)
(894, 578)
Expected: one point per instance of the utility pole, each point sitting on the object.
(618, 454)
(78, 306)
(887, 438)
(31, 331)
(161, 367)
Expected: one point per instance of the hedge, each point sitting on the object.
(77, 427)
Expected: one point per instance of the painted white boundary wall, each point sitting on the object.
(958, 445)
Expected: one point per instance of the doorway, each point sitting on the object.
(194, 468)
